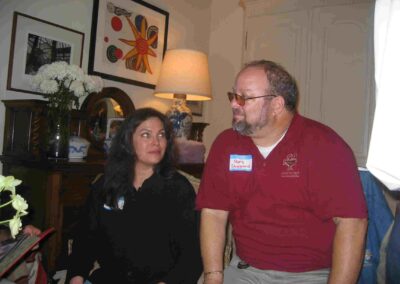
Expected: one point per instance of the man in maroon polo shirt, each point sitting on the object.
(288, 185)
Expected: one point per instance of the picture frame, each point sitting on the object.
(35, 42)
(128, 41)
(196, 107)
(113, 124)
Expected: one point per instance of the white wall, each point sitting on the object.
(225, 58)
(189, 27)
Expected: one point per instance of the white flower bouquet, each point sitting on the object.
(9, 183)
(62, 84)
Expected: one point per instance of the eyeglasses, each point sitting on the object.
(241, 100)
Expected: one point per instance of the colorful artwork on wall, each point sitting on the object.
(128, 41)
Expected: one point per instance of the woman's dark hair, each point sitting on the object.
(119, 170)
(280, 81)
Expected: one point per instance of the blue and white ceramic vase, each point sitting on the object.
(78, 147)
(181, 118)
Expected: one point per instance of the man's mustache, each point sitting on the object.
(237, 111)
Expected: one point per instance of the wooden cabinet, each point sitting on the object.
(328, 47)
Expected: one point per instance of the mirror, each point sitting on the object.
(103, 110)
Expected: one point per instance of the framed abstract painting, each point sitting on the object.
(128, 41)
(36, 42)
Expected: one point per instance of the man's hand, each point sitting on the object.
(213, 278)
(76, 280)
(31, 230)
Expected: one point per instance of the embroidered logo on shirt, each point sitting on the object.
(290, 162)
(240, 163)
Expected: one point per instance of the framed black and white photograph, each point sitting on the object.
(128, 41)
(43, 50)
(36, 42)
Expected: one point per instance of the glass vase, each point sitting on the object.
(58, 133)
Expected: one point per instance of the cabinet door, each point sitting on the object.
(281, 38)
(341, 77)
(328, 48)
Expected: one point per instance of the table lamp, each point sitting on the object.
(184, 76)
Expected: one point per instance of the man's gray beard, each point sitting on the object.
(242, 127)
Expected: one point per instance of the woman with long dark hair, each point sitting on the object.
(139, 222)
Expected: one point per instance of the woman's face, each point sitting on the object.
(149, 142)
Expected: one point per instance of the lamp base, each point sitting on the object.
(180, 116)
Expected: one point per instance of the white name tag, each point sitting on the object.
(240, 163)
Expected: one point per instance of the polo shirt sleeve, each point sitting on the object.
(214, 185)
(334, 183)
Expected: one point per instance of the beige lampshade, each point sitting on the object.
(184, 72)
